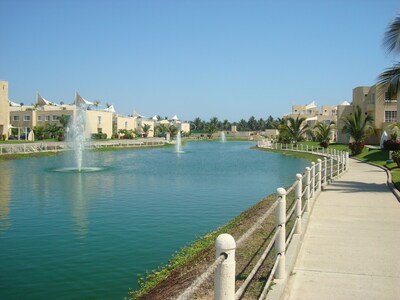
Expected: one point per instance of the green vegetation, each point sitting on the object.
(295, 129)
(359, 127)
(6, 157)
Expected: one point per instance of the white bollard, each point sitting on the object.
(224, 279)
(297, 211)
(319, 177)
(280, 243)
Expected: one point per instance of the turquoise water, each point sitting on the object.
(87, 235)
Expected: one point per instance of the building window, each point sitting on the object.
(55, 118)
(126, 124)
(15, 118)
(98, 120)
(39, 118)
(27, 118)
(47, 118)
(391, 116)
(327, 122)
(390, 96)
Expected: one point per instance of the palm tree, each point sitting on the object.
(323, 133)
(358, 128)
(295, 128)
(173, 131)
(64, 120)
(391, 76)
(211, 128)
(146, 128)
(161, 130)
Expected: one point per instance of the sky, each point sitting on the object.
(225, 59)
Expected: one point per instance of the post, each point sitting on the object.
(224, 278)
(325, 169)
(307, 198)
(343, 162)
(280, 243)
(331, 168)
(338, 164)
(319, 178)
(297, 211)
(312, 179)
(307, 148)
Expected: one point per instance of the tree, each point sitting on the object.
(358, 128)
(39, 132)
(161, 130)
(252, 123)
(96, 103)
(211, 128)
(146, 128)
(172, 130)
(64, 120)
(323, 133)
(391, 76)
(197, 124)
(295, 128)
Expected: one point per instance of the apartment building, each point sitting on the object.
(375, 101)
(23, 118)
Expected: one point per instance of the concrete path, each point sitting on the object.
(351, 249)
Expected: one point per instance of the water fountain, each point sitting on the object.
(178, 144)
(222, 136)
(78, 135)
(77, 142)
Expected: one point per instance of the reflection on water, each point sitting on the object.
(5, 174)
(79, 207)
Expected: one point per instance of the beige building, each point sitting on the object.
(374, 101)
(4, 111)
(327, 114)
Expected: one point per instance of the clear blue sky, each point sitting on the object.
(229, 59)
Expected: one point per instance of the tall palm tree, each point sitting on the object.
(295, 128)
(391, 76)
(358, 128)
(323, 133)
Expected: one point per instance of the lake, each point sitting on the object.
(87, 235)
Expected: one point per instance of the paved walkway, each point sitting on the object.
(351, 249)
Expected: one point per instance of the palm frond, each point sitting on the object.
(391, 40)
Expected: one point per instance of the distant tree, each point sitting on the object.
(64, 120)
(226, 125)
(161, 129)
(242, 125)
(197, 124)
(146, 128)
(269, 123)
(172, 130)
(252, 123)
(211, 128)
